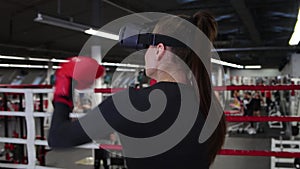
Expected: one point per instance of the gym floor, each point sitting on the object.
(67, 158)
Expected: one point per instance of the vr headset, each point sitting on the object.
(138, 37)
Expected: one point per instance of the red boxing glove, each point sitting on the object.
(80, 70)
(152, 82)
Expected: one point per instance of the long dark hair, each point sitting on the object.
(207, 24)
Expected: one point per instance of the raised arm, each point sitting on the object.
(82, 71)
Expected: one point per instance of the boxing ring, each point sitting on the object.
(278, 153)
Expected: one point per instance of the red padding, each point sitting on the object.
(229, 152)
(229, 112)
(258, 153)
(221, 88)
(262, 118)
(217, 88)
(257, 87)
(111, 147)
(108, 90)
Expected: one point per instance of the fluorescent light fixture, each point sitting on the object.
(219, 62)
(296, 35)
(28, 66)
(253, 67)
(41, 18)
(122, 65)
(58, 60)
(125, 70)
(39, 59)
(102, 34)
(12, 57)
(55, 67)
(60, 23)
(33, 59)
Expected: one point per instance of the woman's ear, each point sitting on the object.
(160, 51)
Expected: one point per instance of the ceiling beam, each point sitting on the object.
(121, 6)
(247, 19)
(18, 49)
(197, 7)
(261, 48)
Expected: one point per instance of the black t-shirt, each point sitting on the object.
(256, 104)
(186, 154)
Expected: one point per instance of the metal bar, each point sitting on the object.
(42, 153)
(21, 109)
(29, 109)
(12, 140)
(31, 49)
(247, 19)
(9, 113)
(38, 114)
(260, 48)
(5, 118)
(21, 127)
(10, 90)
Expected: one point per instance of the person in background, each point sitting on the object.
(246, 102)
(256, 104)
(268, 96)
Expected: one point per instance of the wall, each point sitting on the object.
(254, 72)
(292, 68)
(9, 74)
(296, 65)
(288, 69)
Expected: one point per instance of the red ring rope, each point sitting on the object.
(111, 147)
(216, 88)
(230, 152)
(108, 90)
(262, 118)
(259, 153)
(220, 88)
(257, 87)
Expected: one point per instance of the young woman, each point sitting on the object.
(170, 67)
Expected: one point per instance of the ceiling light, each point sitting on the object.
(60, 23)
(58, 60)
(33, 59)
(41, 18)
(253, 67)
(122, 65)
(296, 35)
(102, 34)
(28, 66)
(12, 57)
(39, 59)
(56, 67)
(125, 70)
(220, 62)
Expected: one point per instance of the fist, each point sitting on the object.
(82, 71)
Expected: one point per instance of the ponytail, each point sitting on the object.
(207, 24)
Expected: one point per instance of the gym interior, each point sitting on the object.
(254, 72)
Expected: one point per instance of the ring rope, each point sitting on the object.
(216, 88)
(219, 88)
(262, 118)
